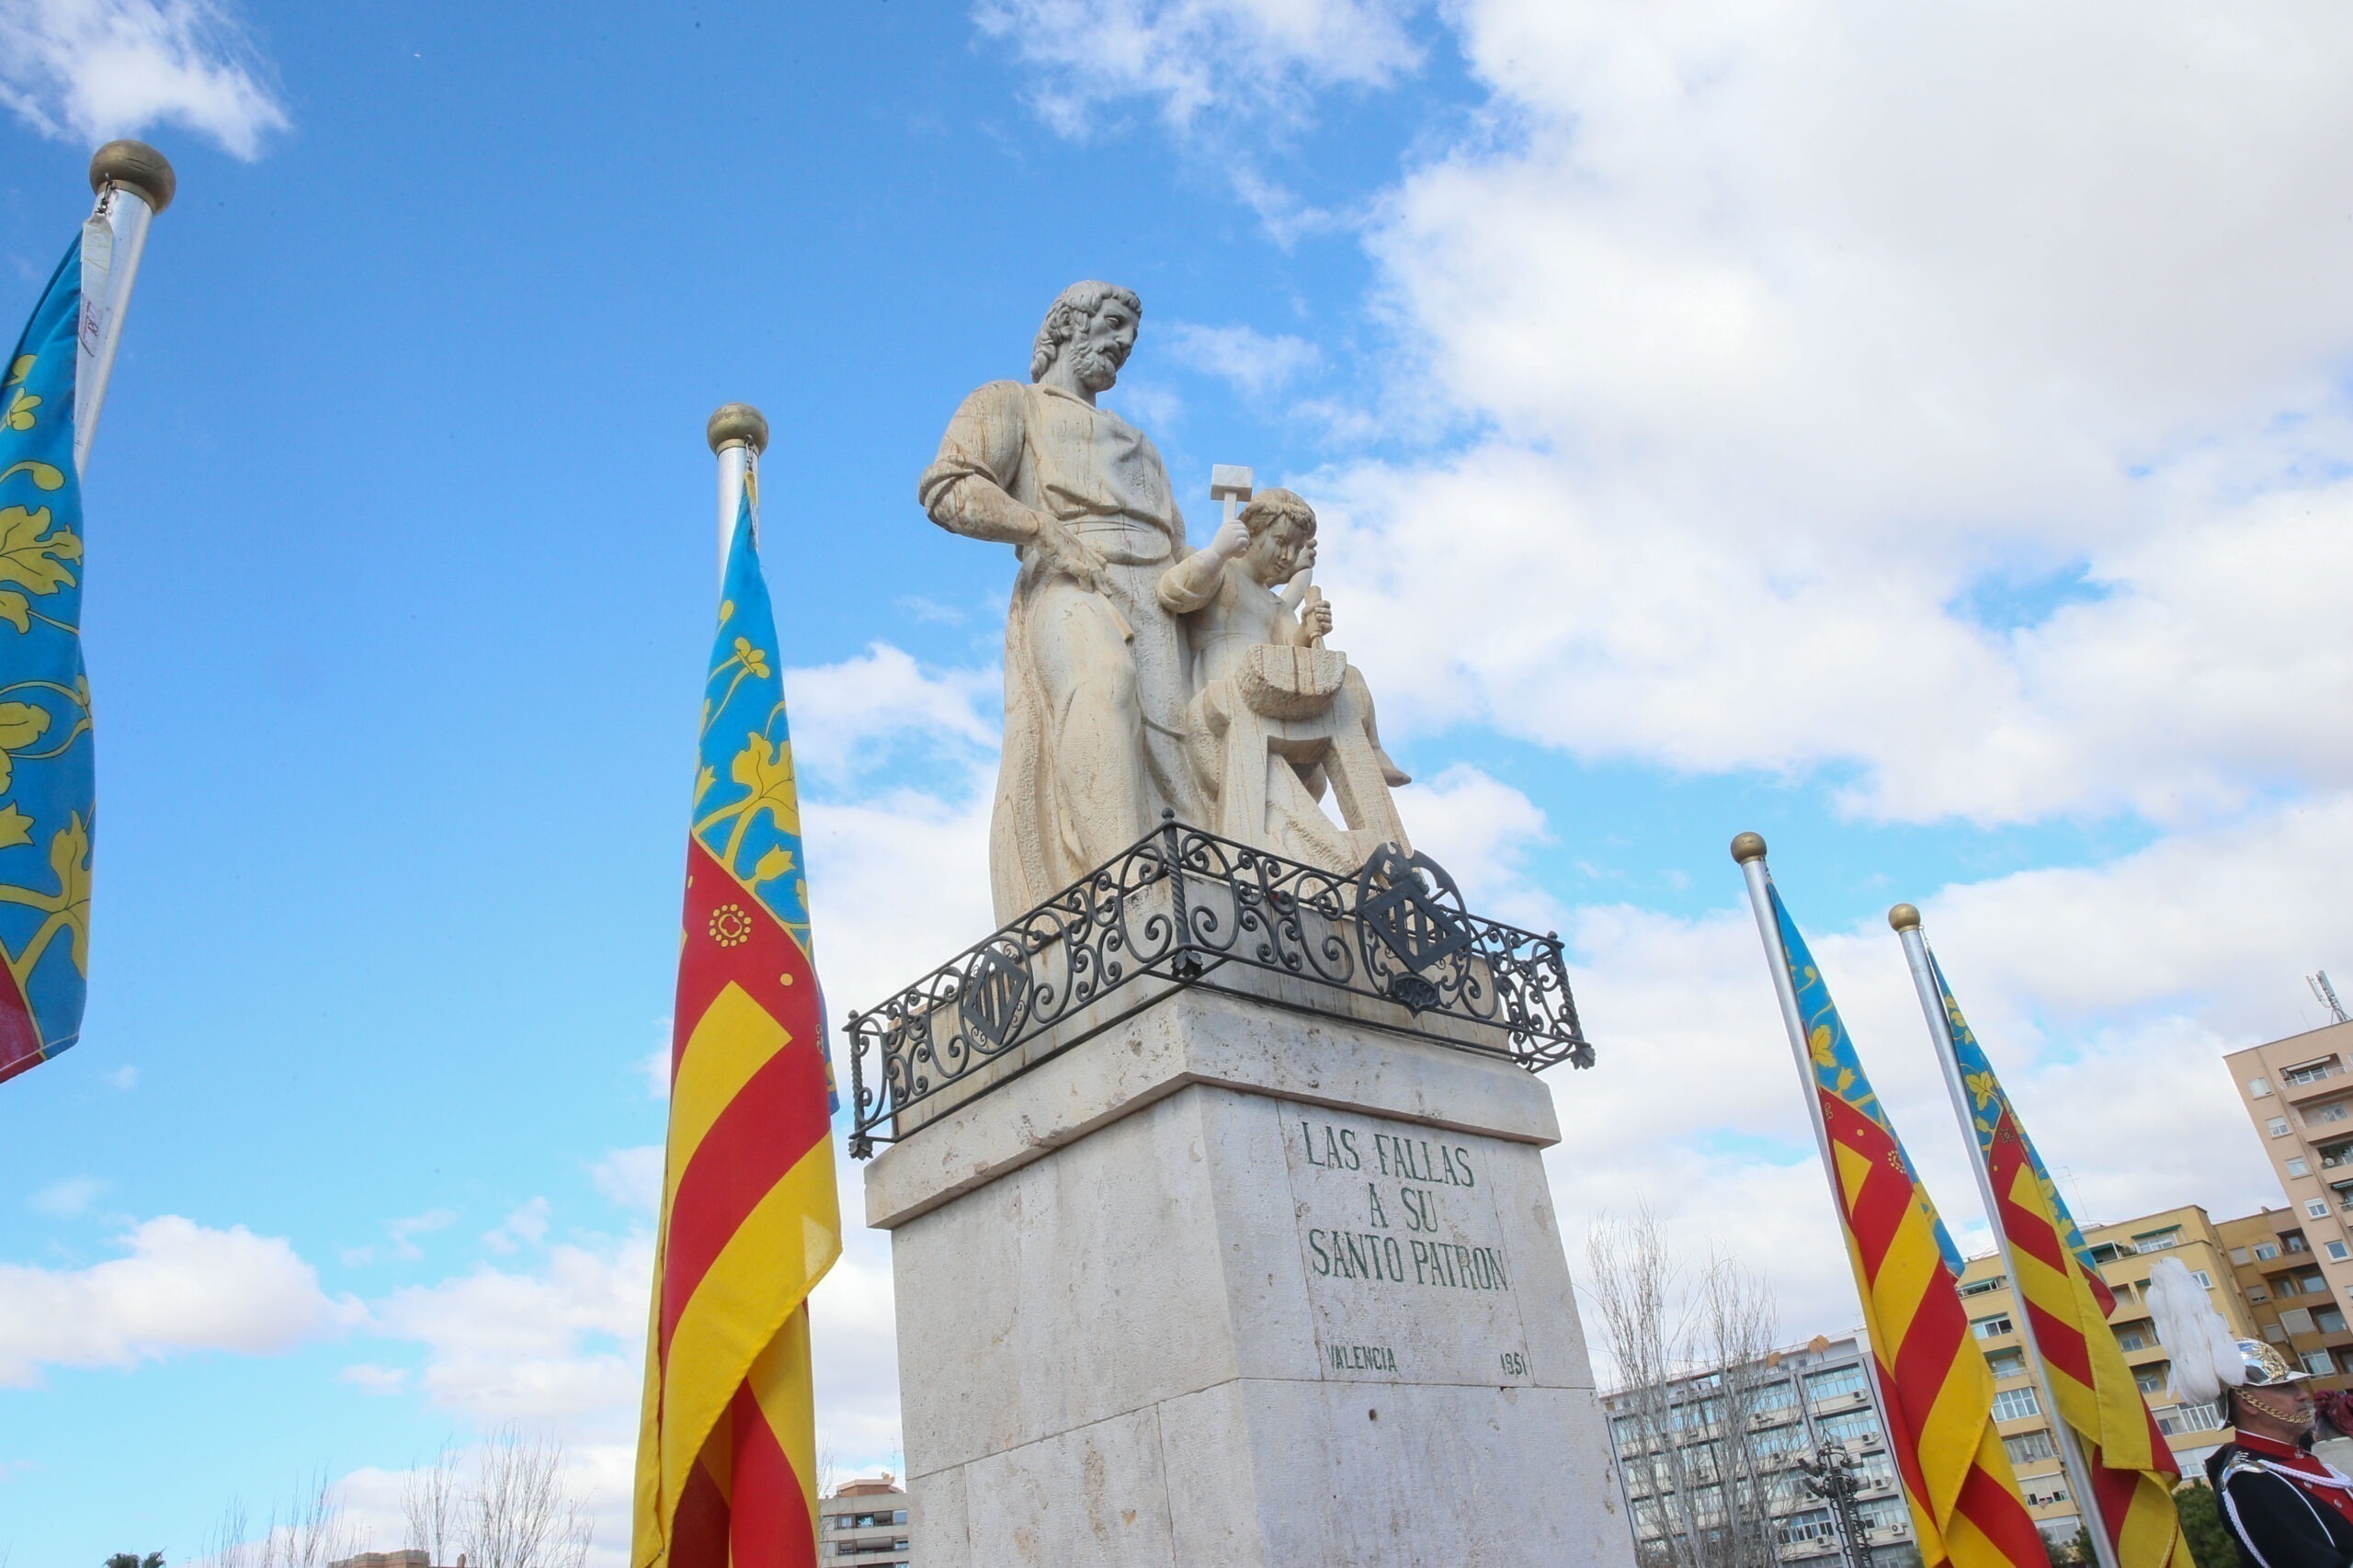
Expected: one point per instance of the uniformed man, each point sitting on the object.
(2284, 1507)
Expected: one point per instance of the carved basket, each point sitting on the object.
(1290, 683)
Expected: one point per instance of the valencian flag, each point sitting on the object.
(726, 1458)
(2067, 1303)
(1939, 1392)
(47, 789)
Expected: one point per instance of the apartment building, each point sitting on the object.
(2289, 1293)
(864, 1525)
(2124, 1252)
(2299, 1094)
(1801, 1399)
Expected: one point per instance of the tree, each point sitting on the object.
(2201, 1526)
(516, 1510)
(313, 1534)
(132, 1560)
(1693, 1356)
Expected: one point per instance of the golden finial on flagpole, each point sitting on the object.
(1904, 917)
(1748, 847)
(139, 167)
(738, 425)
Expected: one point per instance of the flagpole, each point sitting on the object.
(1748, 850)
(132, 182)
(739, 434)
(1905, 919)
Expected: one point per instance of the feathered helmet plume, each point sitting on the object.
(2207, 1356)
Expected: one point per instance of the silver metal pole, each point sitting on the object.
(1750, 851)
(738, 433)
(1906, 921)
(132, 183)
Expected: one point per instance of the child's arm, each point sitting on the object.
(1192, 582)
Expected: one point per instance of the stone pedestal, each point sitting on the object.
(1228, 1284)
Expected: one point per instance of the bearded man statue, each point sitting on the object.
(1094, 666)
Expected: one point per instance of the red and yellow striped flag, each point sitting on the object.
(2067, 1303)
(1966, 1508)
(727, 1456)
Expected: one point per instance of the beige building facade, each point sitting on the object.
(864, 1525)
(2124, 1252)
(2298, 1261)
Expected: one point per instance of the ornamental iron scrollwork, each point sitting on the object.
(1410, 913)
(1183, 907)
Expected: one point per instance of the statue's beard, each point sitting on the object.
(1094, 371)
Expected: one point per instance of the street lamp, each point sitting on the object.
(1830, 1476)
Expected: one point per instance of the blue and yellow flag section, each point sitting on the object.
(1966, 1507)
(47, 783)
(726, 1457)
(2066, 1305)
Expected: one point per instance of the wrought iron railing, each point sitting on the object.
(1183, 907)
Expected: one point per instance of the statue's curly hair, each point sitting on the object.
(1270, 506)
(1071, 309)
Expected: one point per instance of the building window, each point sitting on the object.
(2274, 1332)
(2150, 1379)
(2123, 1294)
(2277, 1126)
(2320, 1363)
(2157, 1241)
(2311, 1072)
(1979, 1287)
(1882, 1513)
(2328, 1319)
(2297, 1165)
(2134, 1338)
(1856, 1428)
(2266, 1250)
(2337, 1252)
(1839, 1383)
(2315, 1208)
(2205, 1281)
(1989, 1327)
(2322, 1115)
(1813, 1524)
(2007, 1363)
(2257, 1293)
(2029, 1446)
(2293, 1240)
(2016, 1405)
(2258, 1088)
(2239, 1255)
(2313, 1285)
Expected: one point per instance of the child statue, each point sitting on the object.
(1275, 715)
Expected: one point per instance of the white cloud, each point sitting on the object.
(1255, 363)
(1797, 338)
(551, 1347)
(1481, 830)
(403, 1232)
(125, 1078)
(86, 69)
(67, 1200)
(526, 1225)
(2106, 997)
(1244, 59)
(369, 1377)
(848, 717)
(184, 1287)
(631, 1177)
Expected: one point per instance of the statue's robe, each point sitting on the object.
(1096, 684)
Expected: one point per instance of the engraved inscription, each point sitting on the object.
(1408, 1272)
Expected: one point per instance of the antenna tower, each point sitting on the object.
(2327, 994)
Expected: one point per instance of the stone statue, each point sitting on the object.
(1276, 716)
(1140, 675)
(1094, 664)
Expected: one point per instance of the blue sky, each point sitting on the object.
(1927, 449)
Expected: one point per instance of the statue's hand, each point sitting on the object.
(1233, 539)
(1066, 552)
(1315, 617)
